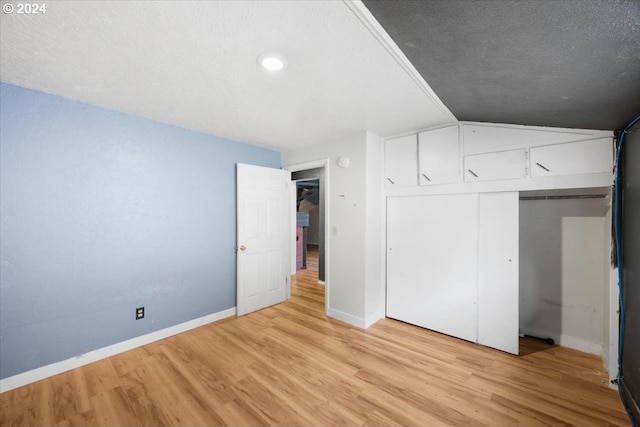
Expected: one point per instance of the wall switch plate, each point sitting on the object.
(139, 313)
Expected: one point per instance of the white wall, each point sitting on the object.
(610, 298)
(606, 294)
(375, 231)
(606, 312)
(562, 271)
(614, 318)
(348, 224)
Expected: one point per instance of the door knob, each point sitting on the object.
(243, 248)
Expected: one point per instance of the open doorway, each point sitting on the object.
(310, 220)
(308, 226)
(317, 247)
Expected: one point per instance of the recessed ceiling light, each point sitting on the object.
(272, 61)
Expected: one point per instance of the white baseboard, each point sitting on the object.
(370, 320)
(565, 340)
(605, 359)
(321, 282)
(47, 371)
(347, 318)
(355, 320)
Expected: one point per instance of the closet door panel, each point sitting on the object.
(498, 274)
(432, 255)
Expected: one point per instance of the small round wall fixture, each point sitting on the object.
(272, 61)
(343, 162)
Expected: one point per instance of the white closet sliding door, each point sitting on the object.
(432, 262)
(452, 265)
(498, 271)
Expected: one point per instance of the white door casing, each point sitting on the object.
(263, 219)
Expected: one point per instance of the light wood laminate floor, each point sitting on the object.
(291, 365)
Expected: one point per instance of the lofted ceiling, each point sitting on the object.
(193, 64)
(561, 63)
(571, 63)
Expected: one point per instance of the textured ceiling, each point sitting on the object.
(193, 64)
(569, 63)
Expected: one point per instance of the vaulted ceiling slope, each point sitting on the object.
(193, 64)
(569, 63)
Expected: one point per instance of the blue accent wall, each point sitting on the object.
(102, 212)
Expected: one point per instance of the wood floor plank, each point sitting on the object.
(111, 408)
(101, 376)
(85, 419)
(238, 413)
(291, 365)
(130, 360)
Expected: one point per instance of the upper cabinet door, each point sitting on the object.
(401, 161)
(574, 158)
(439, 154)
(510, 164)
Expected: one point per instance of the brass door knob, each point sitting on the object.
(243, 248)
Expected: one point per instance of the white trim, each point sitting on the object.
(594, 133)
(605, 360)
(374, 27)
(323, 163)
(614, 319)
(347, 318)
(47, 371)
(321, 282)
(370, 320)
(566, 340)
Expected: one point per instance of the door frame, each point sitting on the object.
(316, 164)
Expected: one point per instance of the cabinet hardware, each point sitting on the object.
(472, 172)
(390, 180)
(426, 177)
(542, 167)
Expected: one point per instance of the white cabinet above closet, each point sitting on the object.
(595, 156)
(439, 156)
(401, 161)
(486, 157)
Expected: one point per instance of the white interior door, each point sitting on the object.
(498, 271)
(432, 258)
(263, 218)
